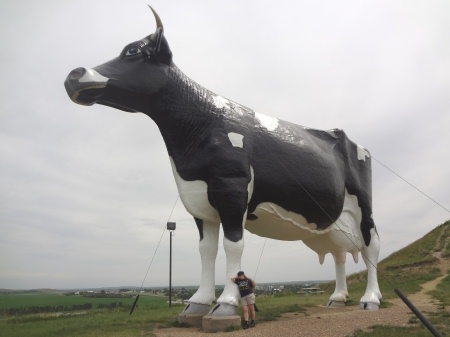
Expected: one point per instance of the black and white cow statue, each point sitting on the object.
(244, 170)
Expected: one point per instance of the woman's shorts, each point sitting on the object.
(249, 299)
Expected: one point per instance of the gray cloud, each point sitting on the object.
(86, 191)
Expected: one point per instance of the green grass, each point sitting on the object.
(150, 313)
(444, 244)
(440, 320)
(384, 331)
(442, 291)
(26, 299)
(272, 307)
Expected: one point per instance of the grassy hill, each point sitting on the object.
(409, 267)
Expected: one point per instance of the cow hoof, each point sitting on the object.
(336, 304)
(369, 306)
(196, 309)
(222, 309)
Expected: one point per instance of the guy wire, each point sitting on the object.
(159, 242)
(260, 256)
(406, 181)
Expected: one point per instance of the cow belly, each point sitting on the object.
(275, 222)
(194, 196)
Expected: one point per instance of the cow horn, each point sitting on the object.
(158, 20)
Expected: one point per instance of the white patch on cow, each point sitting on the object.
(362, 153)
(236, 139)
(194, 196)
(233, 252)
(370, 257)
(93, 76)
(221, 102)
(277, 223)
(208, 251)
(270, 123)
(95, 80)
(251, 185)
(238, 109)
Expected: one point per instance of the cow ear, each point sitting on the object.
(162, 49)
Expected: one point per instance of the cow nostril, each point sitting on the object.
(78, 73)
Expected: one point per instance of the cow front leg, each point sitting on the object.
(372, 296)
(227, 303)
(233, 252)
(233, 213)
(200, 302)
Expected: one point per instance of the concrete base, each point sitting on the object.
(219, 323)
(194, 320)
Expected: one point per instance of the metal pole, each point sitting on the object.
(418, 313)
(170, 273)
(171, 227)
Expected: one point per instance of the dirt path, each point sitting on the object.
(327, 322)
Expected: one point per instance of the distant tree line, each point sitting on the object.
(106, 295)
(146, 290)
(101, 294)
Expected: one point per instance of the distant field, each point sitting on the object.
(152, 313)
(28, 299)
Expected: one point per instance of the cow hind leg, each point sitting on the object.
(340, 295)
(344, 237)
(372, 296)
(200, 302)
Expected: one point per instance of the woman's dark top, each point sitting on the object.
(245, 286)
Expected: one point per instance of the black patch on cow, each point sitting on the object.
(199, 223)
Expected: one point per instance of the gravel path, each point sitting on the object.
(329, 322)
(318, 321)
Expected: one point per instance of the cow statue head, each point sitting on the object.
(142, 66)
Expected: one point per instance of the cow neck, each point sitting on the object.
(186, 115)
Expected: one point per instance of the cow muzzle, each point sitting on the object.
(85, 86)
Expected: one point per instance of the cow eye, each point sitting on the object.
(133, 51)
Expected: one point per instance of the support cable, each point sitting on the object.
(153, 257)
(260, 256)
(406, 181)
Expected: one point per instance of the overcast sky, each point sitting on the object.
(85, 192)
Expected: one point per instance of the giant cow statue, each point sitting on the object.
(244, 170)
